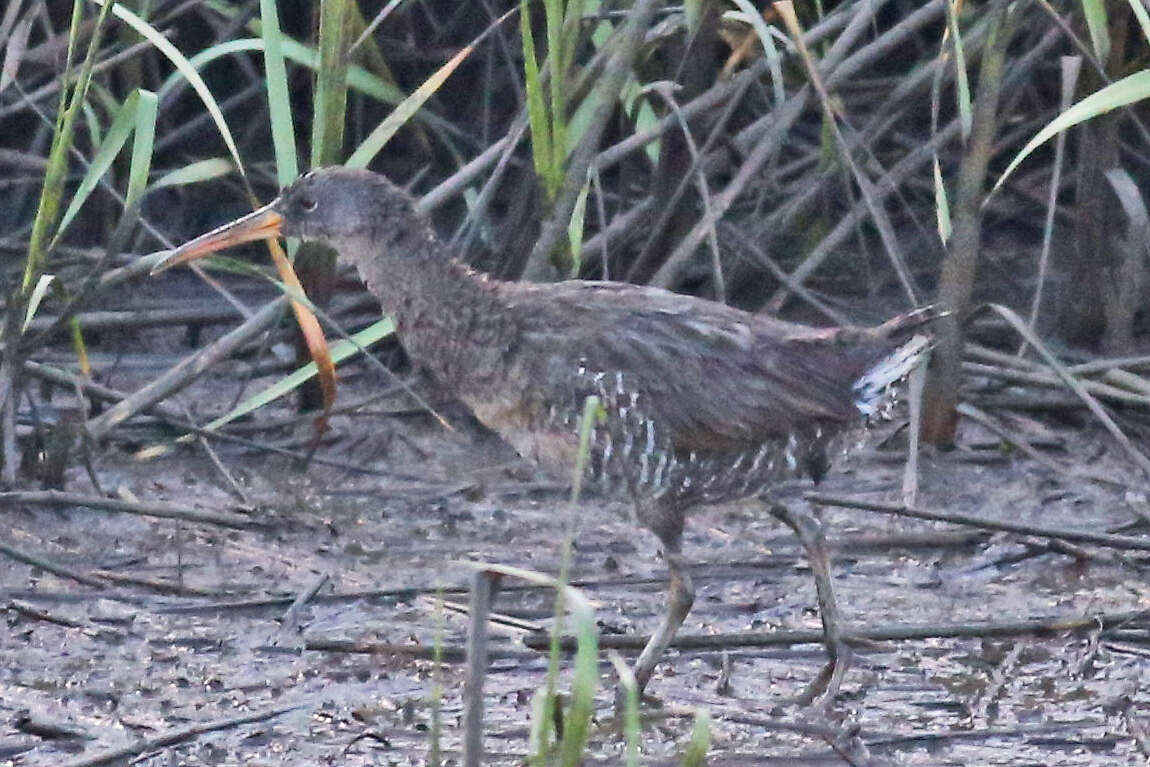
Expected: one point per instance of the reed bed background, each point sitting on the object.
(831, 162)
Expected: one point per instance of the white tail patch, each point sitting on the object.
(875, 392)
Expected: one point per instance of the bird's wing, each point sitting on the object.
(713, 377)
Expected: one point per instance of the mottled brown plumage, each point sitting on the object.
(704, 403)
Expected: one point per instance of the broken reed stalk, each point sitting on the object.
(482, 595)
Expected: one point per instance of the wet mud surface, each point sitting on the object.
(199, 632)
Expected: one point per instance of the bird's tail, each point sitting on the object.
(876, 390)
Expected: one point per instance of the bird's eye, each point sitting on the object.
(307, 203)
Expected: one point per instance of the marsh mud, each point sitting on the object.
(193, 654)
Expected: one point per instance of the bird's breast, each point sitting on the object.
(554, 448)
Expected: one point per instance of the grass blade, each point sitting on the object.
(1099, 27)
(80, 347)
(92, 124)
(358, 78)
(1143, 17)
(696, 754)
(403, 112)
(941, 204)
(577, 723)
(36, 298)
(113, 142)
(328, 117)
(558, 104)
(961, 77)
(1128, 90)
(196, 172)
(630, 709)
(540, 727)
(143, 142)
(575, 229)
(340, 351)
(52, 192)
(181, 63)
(541, 151)
(752, 16)
(279, 102)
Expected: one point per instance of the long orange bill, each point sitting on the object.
(257, 225)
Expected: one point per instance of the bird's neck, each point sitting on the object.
(447, 316)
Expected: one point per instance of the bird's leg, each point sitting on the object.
(680, 593)
(680, 597)
(810, 534)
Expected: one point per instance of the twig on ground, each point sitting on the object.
(160, 587)
(187, 371)
(291, 617)
(885, 740)
(199, 313)
(175, 737)
(92, 629)
(144, 509)
(897, 509)
(993, 426)
(48, 565)
(1086, 555)
(508, 623)
(449, 653)
(859, 636)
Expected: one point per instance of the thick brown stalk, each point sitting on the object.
(1081, 306)
(940, 419)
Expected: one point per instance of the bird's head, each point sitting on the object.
(354, 211)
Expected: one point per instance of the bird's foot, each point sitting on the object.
(629, 696)
(631, 707)
(823, 689)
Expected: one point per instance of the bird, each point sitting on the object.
(701, 402)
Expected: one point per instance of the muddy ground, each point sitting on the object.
(195, 632)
